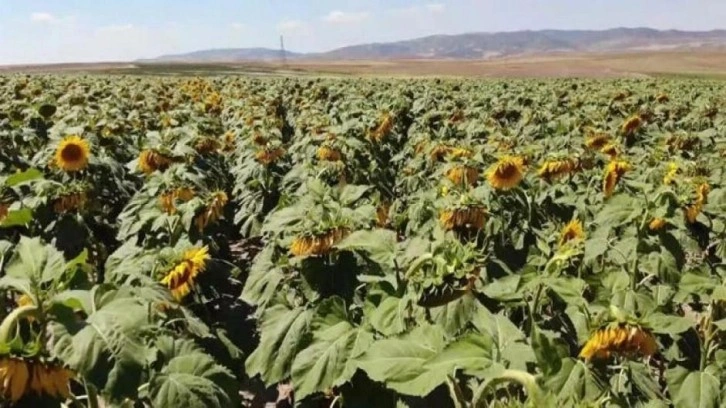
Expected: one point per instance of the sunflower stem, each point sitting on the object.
(10, 322)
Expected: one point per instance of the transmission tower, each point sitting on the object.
(282, 51)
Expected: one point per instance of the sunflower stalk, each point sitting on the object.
(11, 321)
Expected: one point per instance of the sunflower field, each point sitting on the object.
(235, 241)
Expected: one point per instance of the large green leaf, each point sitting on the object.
(473, 354)
(193, 380)
(698, 390)
(35, 261)
(283, 333)
(575, 381)
(379, 245)
(510, 342)
(330, 359)
(455, 316)
(400, 362)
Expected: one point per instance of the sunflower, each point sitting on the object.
(613, 173)
(438, 152)
(317, 245)
(631, 125)
(597, 141)
(463, 175)
(151, 160)
(506, 173)
(326, 153)
(472, 217)
(167, 199)
(229, 141)
(50, 379)
(180, 279)
(692, 211)
(623, 340)
(259, 139)
(383, 129)
(72, 154)
(611, 150)
(662, 98)
(460, 153)
(14, 376)
(207, 145)
(4, 210)
(213, 210)
(70, 202)
(554, 169)
(268, 156)
(382, 213)
(572, 231)
(657, 224)
(671, 174)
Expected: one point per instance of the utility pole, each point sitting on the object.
(282, 51)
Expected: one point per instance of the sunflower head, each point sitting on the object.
(553, 169)
(318, 244)
(671, 173)
(181, 278)
(50, 379)
(4, 210)
(597, 141)
(382, 213)
(70, 202)
(472, 217)
(611, 150)
(506, 173)
(662, 98)
(657, 224)
(72, 154)
(631, 125)
(613, 173)
(384, 127)
(624, 340)
(463, 175)
(573, 231)
(326, 153)
(207, 145)
(151, 160)
(213, 211)
(269, 156)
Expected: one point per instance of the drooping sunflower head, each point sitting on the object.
(470, 217)
(382, 213)
(207, 145)
(70, 202)
(4, 210)
(385, 125)
(326, 153)
(597, 141)
(463, 175)
(306, 245)
(573, 231)
(151, 160)
(624, 340)
(506, 173)
(611, 149)
(657, 224)
(229, 141)
(180, 279)
(168, 199)
(613, 173)
(662, 98)
(553, 169)
(671, 173)
(631, 125)
(213, 211)
(50, 379)
(269, 156)
(72, 154)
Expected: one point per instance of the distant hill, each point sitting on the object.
(226, 55)
(488, 45)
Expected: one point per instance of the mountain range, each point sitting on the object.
(484, 46)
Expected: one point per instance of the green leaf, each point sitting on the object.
(644, 381)
(618, 210)
(668, 324)
(454, 316)
(329, 360)
(379, 244)
(473, 354)
(34, 261)
(698, 390)
(575, 380)
(263, 281)
(400, 362)
(283, 332)
(510, 341)
(17, 218)
(548, 351)
(23, 177)
(389, 317)
(505, 288)
(193, 380)
(568, 289)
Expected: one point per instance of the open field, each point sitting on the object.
(709, 64)
(169, 241)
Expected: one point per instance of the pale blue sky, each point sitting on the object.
(34, 31)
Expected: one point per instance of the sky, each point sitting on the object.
(49, 31)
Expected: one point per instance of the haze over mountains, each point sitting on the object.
(485, 46)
